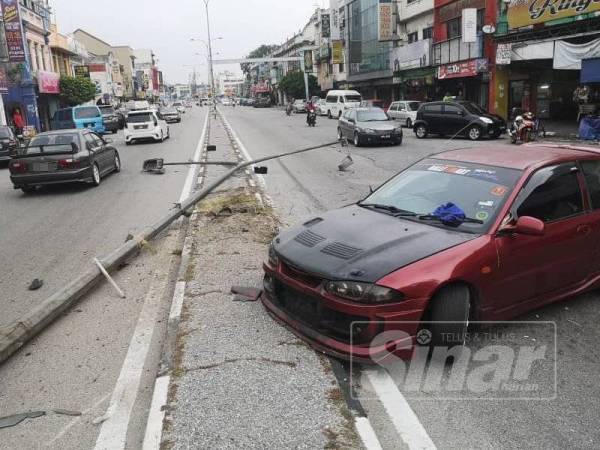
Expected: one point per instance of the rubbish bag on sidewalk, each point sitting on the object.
(589, 129)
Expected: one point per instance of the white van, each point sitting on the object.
(339, 101)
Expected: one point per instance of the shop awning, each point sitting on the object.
(590, 70)
(414, 74)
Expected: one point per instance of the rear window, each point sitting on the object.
(107, 110)
(139, 118)
(87, 112)
(5, 133)
(52, 143)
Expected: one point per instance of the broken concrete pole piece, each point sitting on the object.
(36, 284)
(245, 294)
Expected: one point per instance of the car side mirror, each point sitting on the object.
(107, 140)
(351, 120)
(526, 225)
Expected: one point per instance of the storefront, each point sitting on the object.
(415, 84)
(466, 80)
(48, 90)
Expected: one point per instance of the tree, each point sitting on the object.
(75, 91)
(260, 52)
(293, 84)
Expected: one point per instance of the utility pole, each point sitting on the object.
(212, 75)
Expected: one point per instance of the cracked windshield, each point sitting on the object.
(299, 224)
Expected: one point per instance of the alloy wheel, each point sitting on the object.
(408, 123)
(421, 131)
(474, 133)
(95, 175)
(117, 163)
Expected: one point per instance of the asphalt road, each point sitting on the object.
(52, 235)
(304, 185)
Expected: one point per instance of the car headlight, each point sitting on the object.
(366, 130)
(363, 292)
(486, 120)
(273, 258)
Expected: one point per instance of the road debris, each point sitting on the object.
(245, 294)
(109, 278)
(36, 284)
(15, 419)
(346, 162)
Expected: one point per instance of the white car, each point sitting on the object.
(404, 111)
(322, 107)
(179, 106)
(225, 102)
(146, 124)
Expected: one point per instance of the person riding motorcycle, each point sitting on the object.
(311, 111)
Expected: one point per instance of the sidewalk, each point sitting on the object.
(240, 380)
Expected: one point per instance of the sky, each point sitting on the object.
(167, 26)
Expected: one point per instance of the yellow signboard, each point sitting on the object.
(337, 53)
(522, 13)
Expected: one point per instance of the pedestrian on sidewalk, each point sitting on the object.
(18, 121)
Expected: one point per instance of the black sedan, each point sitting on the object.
(110, 118)
(8, 143)
(63, 156)
(369, 126)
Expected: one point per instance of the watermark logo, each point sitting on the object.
(492, 360)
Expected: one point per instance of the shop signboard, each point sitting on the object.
(503, 54)
(462, 69)
(523, 13)
(97, 67)
(325, 26)
(386, 20)
(469, 25)
(82, 71)
(308, 61)
(13, 30)
(337, 56)
(411, 56)
(48, 82)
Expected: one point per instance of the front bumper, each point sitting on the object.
(338, 327)
(41, 179)
(493, 129)
(377, 138)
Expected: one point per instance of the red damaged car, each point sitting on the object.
(466, 235)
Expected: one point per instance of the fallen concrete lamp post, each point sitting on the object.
(15, 335)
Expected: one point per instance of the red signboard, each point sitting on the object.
(13, 30)
(462, 69)
(48, 82)
(97, 67)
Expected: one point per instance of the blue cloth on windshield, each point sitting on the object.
(589, 129)
(449, 214)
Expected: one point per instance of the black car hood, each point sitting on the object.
(360, 244)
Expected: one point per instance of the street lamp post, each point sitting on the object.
(212, 75)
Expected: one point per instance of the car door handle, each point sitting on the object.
(584, 229)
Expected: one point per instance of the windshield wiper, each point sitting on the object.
(438, 219)
(390, 208)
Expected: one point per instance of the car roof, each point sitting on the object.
(519, 157)
(141, 111)
(66, 131)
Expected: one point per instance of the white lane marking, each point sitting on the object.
(189, 181)
(403, 417)
(157, 414)
(113, 433)
(177, 302)
(75, 421)
(367, 434)
(244, 150)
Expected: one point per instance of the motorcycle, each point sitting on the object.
(523, 128)
(311, 118)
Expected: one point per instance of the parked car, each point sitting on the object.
(373, 104)
(321, 107)
(8, 143)
(404, 111)
(110, 118)
(170, 114)
(64, 156)
(369, 126)
(251, 102)
(262, 102)
(338, 101)
(299, 106)
(78, 117)
(226, 102)
(395, 261)
(179, 106)
(142, 125)
(457, 118)
(187, 103)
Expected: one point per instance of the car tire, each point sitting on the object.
(451, 304)
(356, 140)
(127, 142)
(474, 133)
(28, 189)
(168, 133)
(340, 115)
(117, 163)
(162, 137)
(340, 134)
(408, 123)
(421, 131)
(329, 116)
(96, 178)
(398, 142)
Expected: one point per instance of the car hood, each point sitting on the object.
(382, 125)
(360, 244)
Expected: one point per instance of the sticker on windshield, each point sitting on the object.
(482, 215)
(486, 204)
(499, 191)
(450, 169)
